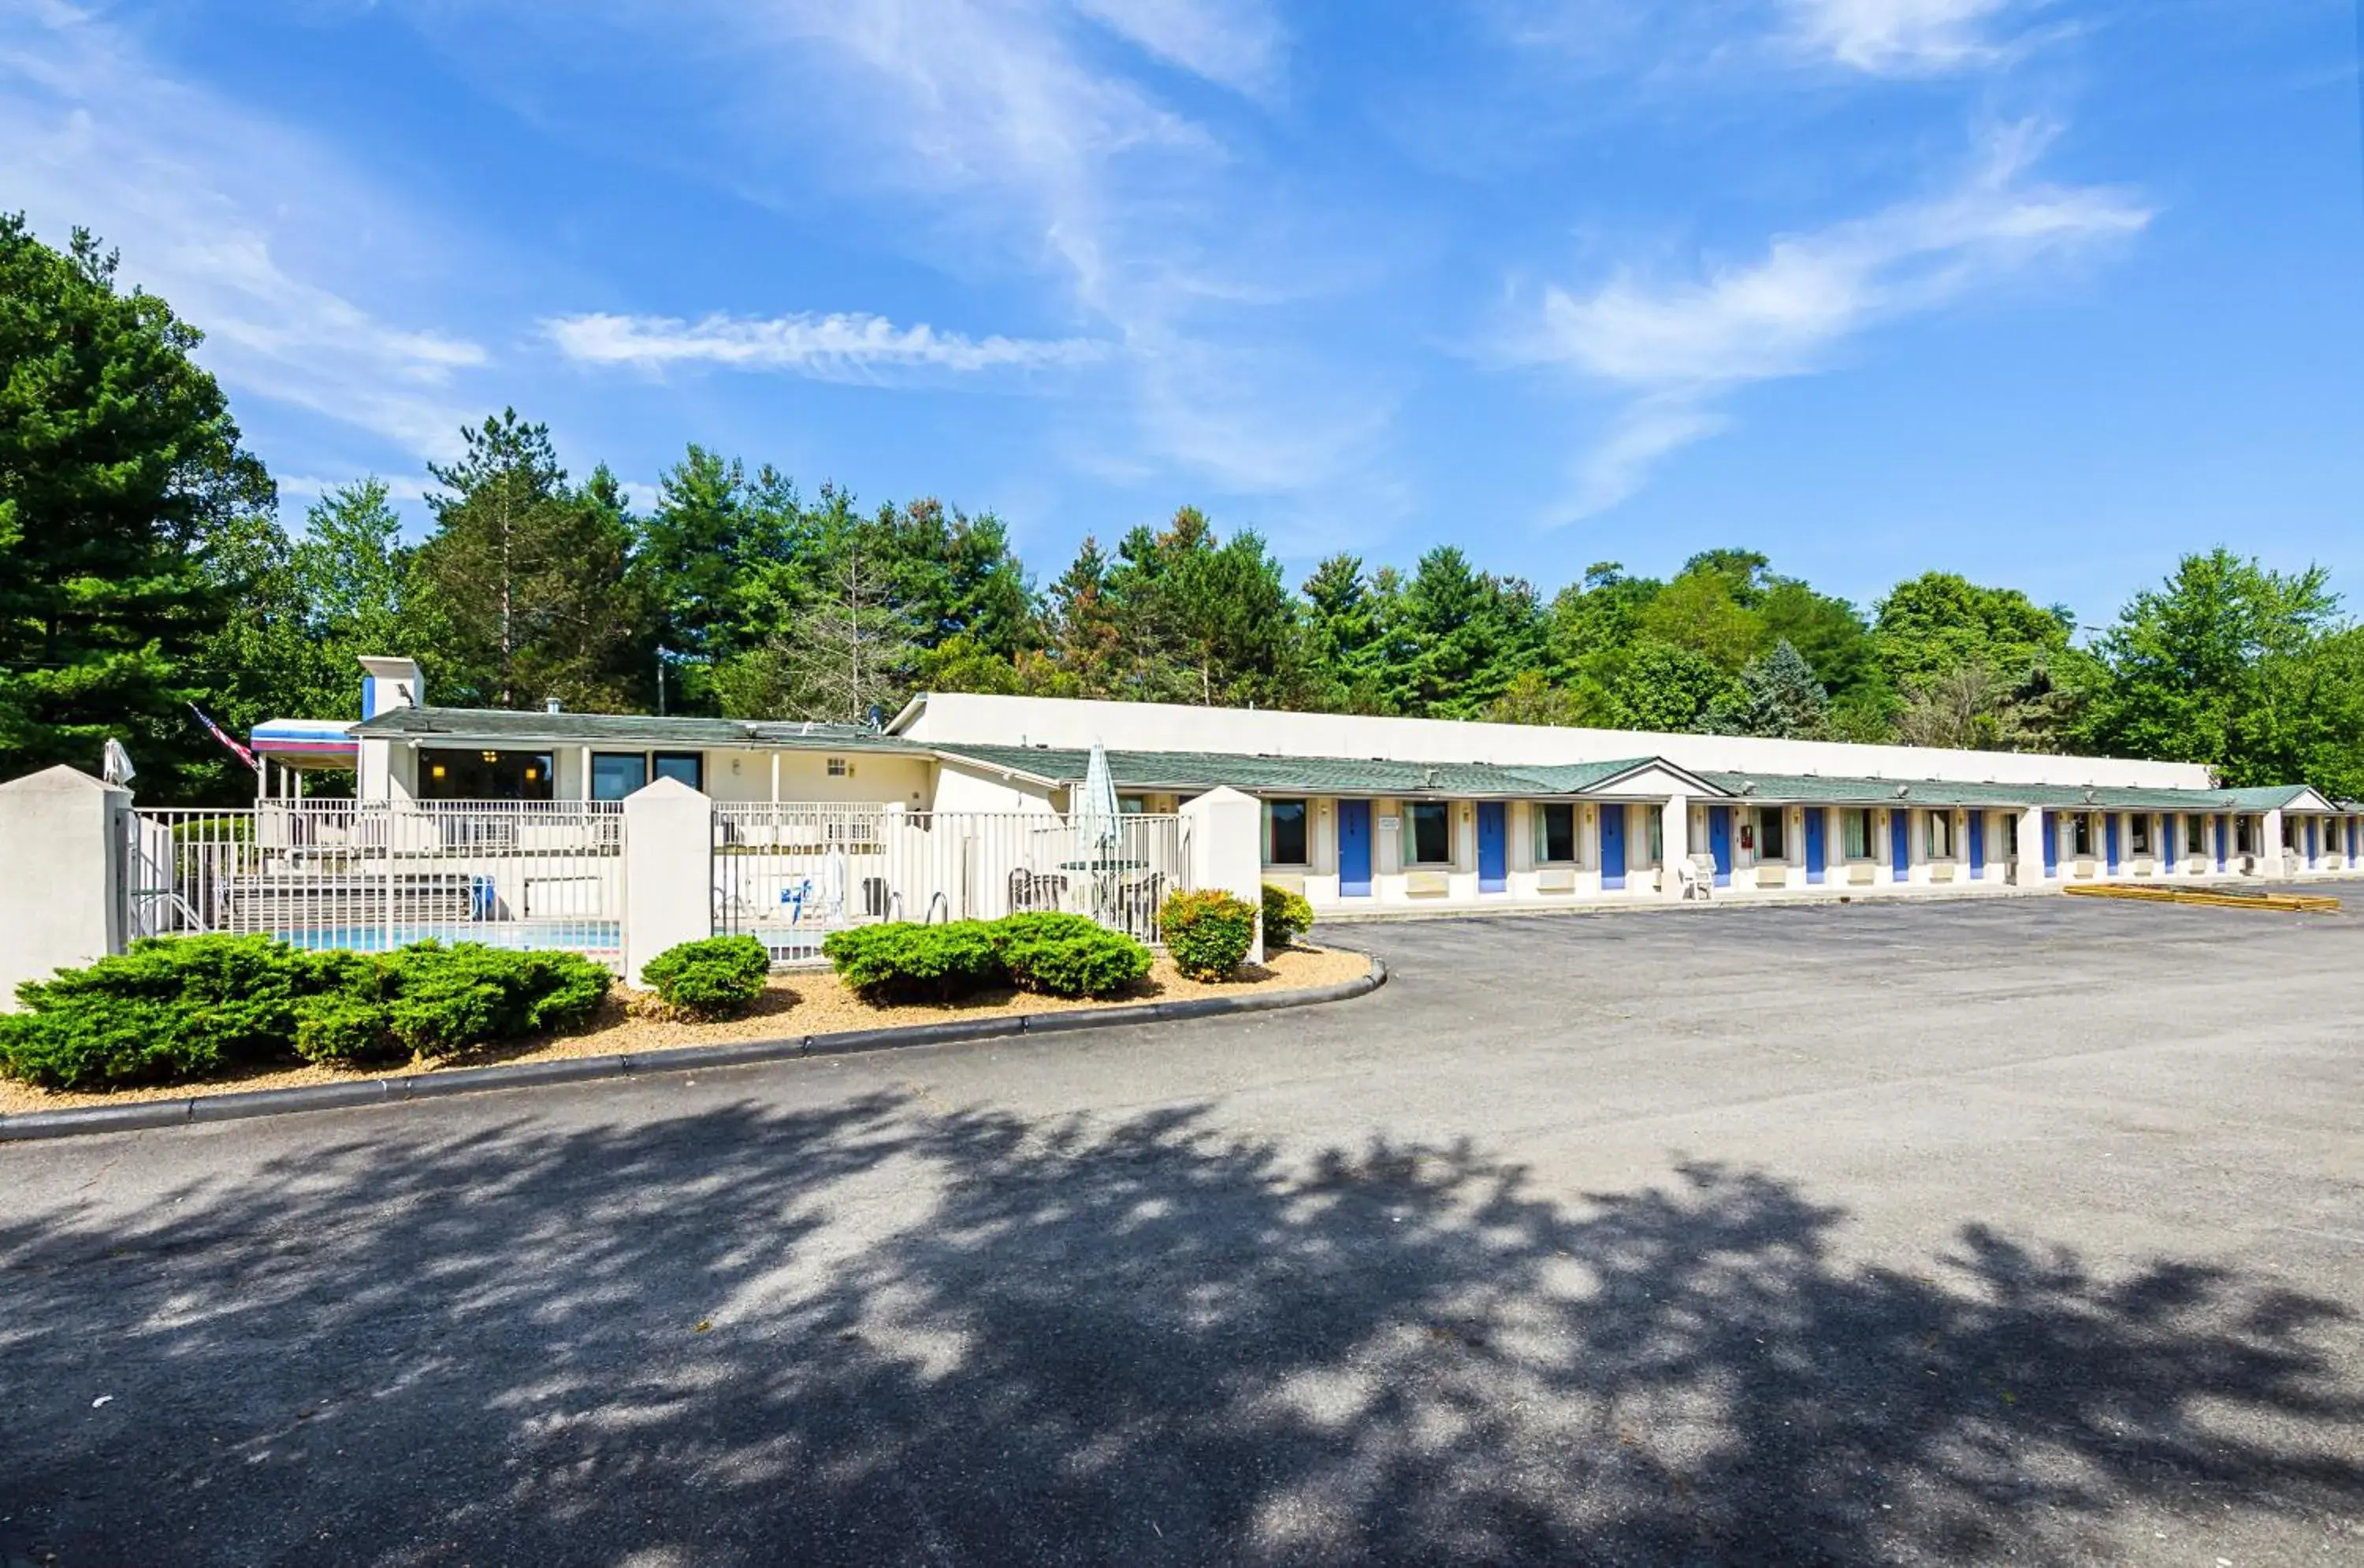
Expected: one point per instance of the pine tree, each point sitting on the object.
(131, 517)
(524, 581)
(1777, 695)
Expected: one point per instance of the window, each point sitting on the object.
(1133, 804)
(1854, 831)
(689, 767)
(1284, 832)
(1941, 835)
(2081, 833)
(2243, 838)
(1432, 833)
(1555, 834)
(2195, 835)
(837, 768)
(485, 776)
(1770, 820)
(1658, 834)
(2138, 836)
(615, 774)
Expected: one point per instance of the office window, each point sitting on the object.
(1941, 835)
(1555, 834)
(1284, 832)
(1855, 833)
(485, 776)
(2195, 835)
(2081, 833)
(1432, 832)
(615, 774)
(689, 767)
(1770, 846)
(2140, 836)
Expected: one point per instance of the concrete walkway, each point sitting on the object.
(1983, 1232)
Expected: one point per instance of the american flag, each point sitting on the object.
(216, 730)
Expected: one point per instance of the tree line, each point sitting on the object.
(144, 569)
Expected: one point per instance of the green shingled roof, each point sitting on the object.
(1210, 769)
(1828, 790)
(430, 724)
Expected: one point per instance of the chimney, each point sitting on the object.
(389, 683)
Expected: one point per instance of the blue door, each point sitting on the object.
(2051, 843)
(1354, 848)
(2312, 843)
(2170, 843)
(1612, 846)
(1815, 817)
(1977, 843)
(1719, 842)
(1900, 843)
(2223, 833)
(1493, 848)
(2110, 840)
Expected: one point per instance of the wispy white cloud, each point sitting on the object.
(207, 200)
(1237, 43)
(1894, 37)
(1031, 137)
(1678, 346)
(837, 347)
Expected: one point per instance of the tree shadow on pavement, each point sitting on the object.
(876, 1334)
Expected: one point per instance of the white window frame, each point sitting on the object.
(1305, 805)
(1536, 816)
(1940, 824)
(1412, 809)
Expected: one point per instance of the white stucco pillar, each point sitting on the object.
(2270, 843)
(2027, 843)
(668, 871)
(1226, 831)
(1675, 840)
(62, 882)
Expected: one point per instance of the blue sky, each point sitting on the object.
(2038, 290)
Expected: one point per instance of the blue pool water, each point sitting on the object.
(580, 936)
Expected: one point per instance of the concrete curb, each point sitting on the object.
(145, 1114)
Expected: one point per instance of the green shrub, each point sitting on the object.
(172, 1008)
(1287, 916)
(716, 978)
(341, 1030)
(1208, 933)
(175, 1009)
(901, 959)
(1069, 955)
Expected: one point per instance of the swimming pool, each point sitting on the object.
(597, 938)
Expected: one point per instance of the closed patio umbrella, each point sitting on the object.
(1098, 823)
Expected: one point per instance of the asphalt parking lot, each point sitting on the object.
(2025, 1230)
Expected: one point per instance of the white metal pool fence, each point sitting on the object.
(532, 874)
(342, 874)
(789, 874)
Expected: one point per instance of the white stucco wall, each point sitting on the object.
(1160, 727)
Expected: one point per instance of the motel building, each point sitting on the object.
(1363, 815)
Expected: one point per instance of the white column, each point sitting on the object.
(1226, 831)
(775, 778)
(668, 871)
(62, 876)
(2270, 844)
(2027, 842)
(1674, 842)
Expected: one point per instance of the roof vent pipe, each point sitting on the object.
(552, 705)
